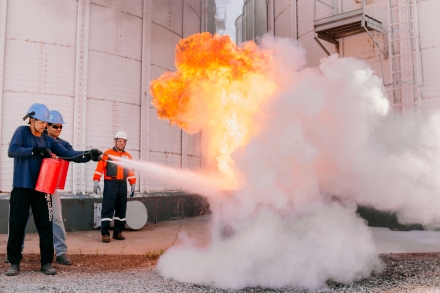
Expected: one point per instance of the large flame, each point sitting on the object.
(218, 88)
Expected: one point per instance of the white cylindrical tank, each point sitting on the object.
(411, 82)
(254, 19)
(93, 61)
(412, 68)
(239, 30)
(294, 19)
(282, 18)
(430, 47)
(249, 19)
(306, 32)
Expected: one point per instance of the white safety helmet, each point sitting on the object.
(121, 134)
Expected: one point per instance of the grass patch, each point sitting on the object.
(154, 254)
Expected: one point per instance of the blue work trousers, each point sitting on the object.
(114, 201)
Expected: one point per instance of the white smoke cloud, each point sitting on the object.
(274, 250)
(326, 144)
(279, 229)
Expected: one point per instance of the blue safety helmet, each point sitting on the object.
(38, 111)
(55, 117)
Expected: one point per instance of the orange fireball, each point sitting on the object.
(218, 88)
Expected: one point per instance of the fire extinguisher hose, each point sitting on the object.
(86, 153)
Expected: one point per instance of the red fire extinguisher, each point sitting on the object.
(64, 167)
(48, 177)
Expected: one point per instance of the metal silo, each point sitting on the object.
(282, 18)
(255, 19)
(239, 30)
(210, 20)
(249, 24)
(399, 42)
(93, 61)
(395, 37)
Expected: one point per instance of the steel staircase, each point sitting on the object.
(405, 54)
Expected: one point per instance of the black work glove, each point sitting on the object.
(44, 152)
(95, 152)
(95, 155)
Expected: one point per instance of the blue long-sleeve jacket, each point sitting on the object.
(67, 145)
(26, 164)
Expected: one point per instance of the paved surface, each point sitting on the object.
(388, 241)
(404, 273)
(154, 237)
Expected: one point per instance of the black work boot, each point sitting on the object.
(13, 270)
(48, 269)
(64, 260)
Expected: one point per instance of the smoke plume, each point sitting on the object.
(326, 142)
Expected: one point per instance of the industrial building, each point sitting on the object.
(395, 37)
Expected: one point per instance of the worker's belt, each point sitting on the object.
(114, 179)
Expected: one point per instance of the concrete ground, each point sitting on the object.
(161, 236)
(152, 237)
(388, 241)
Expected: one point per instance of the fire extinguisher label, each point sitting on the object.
(49, 205)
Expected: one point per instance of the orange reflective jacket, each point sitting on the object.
(113, 171)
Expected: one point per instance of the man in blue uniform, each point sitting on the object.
(28, 146)
(54, 129)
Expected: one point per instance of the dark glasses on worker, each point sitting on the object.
(57, 126)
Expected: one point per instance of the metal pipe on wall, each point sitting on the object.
(145, 91)
(80, 103)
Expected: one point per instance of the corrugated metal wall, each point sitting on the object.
(166, 31)
(430, 43)
(249, 16)
(260, 7)
(191, 157)
(211, 22)
(361, 45)
(270, 16)
(39, 67)
(239, 30)
(255, 19)
(114, 76)
(93, 60)
(284, 18)
(5, 172)
(306, 31)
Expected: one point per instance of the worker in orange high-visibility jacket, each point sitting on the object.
(114, 199)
